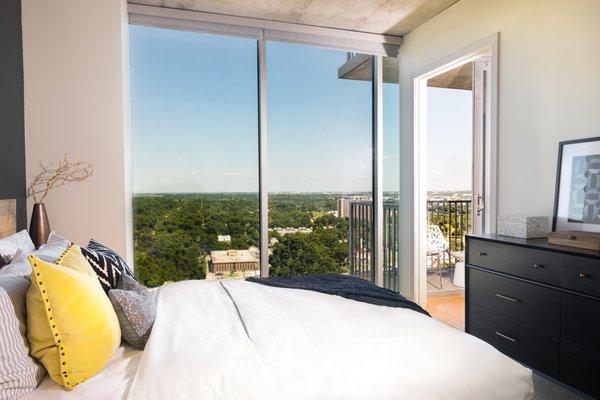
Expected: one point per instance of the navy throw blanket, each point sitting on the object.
(349, 287)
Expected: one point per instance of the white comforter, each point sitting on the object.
(236, 340)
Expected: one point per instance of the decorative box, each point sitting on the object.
(523, 226)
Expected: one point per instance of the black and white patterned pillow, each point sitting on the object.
(107, 264)
(112, 255)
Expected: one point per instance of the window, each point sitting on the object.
(320, 157)
(194, 101)
(198, 131)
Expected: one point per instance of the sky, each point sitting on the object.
(195, 117)
(449, 139)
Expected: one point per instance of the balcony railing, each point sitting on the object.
(452, 216)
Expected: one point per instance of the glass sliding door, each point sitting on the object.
(320, 161)
(195, 155)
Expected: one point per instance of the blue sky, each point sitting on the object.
(449, 142)
(194, 117)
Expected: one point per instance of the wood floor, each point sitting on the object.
(448, 309)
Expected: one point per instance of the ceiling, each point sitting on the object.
(457, 78)
(360, 68)
(392, 17)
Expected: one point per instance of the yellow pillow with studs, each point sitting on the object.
(72, 328)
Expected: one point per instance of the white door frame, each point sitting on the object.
(485, 46)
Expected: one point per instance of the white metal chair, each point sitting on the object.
(438, 251)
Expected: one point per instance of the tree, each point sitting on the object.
(301, 254)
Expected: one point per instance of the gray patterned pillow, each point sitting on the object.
(19, 373)
(135, 310)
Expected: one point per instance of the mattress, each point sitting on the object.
(112, 383)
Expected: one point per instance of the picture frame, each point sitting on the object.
(577, 193)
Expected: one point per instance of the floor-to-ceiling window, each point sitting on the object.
(320, 159)
(202, 124)
(391, 176)
(195, 162)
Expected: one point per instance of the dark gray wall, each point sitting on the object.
(12, 134)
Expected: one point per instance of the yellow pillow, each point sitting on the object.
(72, 328)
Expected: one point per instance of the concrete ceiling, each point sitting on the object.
(457, 78)
(360, 68)
(392, 17)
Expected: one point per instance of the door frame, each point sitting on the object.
(487, 46)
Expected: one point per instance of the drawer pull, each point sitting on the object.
(482, 254)
(582, 275)
(506, 337)
(506, 298)
(537, 266)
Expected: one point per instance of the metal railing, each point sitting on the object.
(454, 219)
(452, 216)
(360, 242)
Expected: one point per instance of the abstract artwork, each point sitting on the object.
(584, 199)
(577, 198)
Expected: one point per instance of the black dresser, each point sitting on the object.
(538, 303)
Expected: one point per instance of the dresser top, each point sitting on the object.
(541, 243)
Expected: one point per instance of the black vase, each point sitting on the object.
(39, 229)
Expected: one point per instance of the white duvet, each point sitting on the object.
(237, 340)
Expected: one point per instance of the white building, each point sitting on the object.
(226, 261)
(224, 238)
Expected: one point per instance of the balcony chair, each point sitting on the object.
(438, 251)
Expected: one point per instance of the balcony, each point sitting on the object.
(452, 216)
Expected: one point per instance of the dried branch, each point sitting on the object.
(51, 178)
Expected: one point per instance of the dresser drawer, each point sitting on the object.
(538, 265)
(580, 367)
(533, 347)
(581, 274)
(580, 320)
(526, 302)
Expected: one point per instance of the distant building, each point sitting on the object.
(289, 231)
(343, 206)
(334, 213)
(226, 261)
(254, 251)
(224, 238)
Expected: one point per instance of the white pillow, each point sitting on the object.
(19, 266)
(10, 245)
(55, 240)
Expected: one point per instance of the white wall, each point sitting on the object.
(75, 63)
(549, 90)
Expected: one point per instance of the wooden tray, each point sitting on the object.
(579, 239)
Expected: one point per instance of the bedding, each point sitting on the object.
(13, 243)
(19, 266)
(112, 383)
(19, 373)
(243, 340)
(349, 287)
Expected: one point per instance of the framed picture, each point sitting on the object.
(577, 198)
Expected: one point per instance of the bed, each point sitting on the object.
(243, 340)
